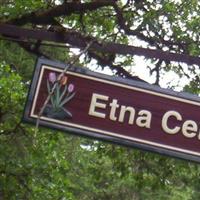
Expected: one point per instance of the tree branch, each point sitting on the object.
(32, 49)
(136, 32)
(108, 61)
(77, 39)
(66, 9)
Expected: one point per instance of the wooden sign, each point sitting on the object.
(117, 110)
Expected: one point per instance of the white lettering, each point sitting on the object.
(189, 129)
(125, 109)
(95, 104)
(113, 106)
(144, 119)
(165, 119)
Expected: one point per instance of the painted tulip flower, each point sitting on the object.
(52, 77)
(63, 80)
(71, 87)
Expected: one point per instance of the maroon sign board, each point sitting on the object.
(117, 110)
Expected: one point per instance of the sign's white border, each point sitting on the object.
(104, 132)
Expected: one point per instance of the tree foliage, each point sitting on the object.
(52, 165)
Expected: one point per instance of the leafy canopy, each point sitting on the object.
(53, 165)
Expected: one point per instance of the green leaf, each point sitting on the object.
(67, 99)
(63, 93)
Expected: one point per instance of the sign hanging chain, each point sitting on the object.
(68, 65)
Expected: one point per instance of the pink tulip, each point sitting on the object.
(71, 87)
(52, 77)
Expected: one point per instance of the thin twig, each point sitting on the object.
(70, 63)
